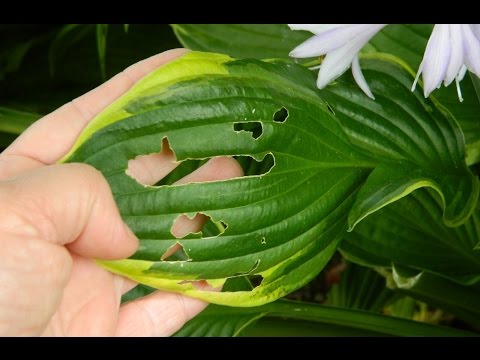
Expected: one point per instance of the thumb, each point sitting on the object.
(71, 205)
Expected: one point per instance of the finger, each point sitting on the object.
(68, 204)
(124, 285)
(218, 168)
(158, 314)
(11, 165)
(51, 137)
(87, 307)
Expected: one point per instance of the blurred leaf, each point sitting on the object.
(360, 288)
(137, 292)
(411, 232)
(125, 27)
(305, 319)
(404, 307)
(6, 139)
(75, 59)
(11, 58)
(65, 38)
(17, 41)
(438, 291)
(15, 121)
(102, 31)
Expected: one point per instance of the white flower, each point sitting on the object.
(451, 50)
(341, 44)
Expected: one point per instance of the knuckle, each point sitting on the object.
(91, 178)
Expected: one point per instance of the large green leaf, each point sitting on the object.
(408, 129)
(292, 318)
(406, 41)
(258, 41)
(411, 233)
(360, 288)
(316, 319)
(283, 225)
(460, 300)
(277, 40)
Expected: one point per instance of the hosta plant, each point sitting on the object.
(378, 172)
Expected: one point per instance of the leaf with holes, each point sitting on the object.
(281, 227)
(406, 41)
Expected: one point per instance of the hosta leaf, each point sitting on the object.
(258, 41)
(458, 299)
(283, 225)
(406, 41)
(403, 126)
(360, 288)
(411, 233)
(466, 112)
(306, 319)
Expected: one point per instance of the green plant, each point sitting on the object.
(390, 183)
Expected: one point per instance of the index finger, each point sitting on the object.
(51, 137)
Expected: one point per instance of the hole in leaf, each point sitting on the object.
(213, 228)
(252, 166)
(281, 115)
(330, 109)
(249, 271)
(253, 127)
(175, 253)
(202, 285)
(149, 169)
(255, 279)
(185, 225)
(183, 169)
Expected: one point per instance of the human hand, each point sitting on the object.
(56, 218)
